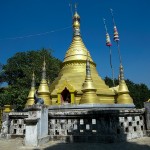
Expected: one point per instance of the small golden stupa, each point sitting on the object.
(67, 87)
(43, 90)
(89, 95)
(30, 98)
(123, 92)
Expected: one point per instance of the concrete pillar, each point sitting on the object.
(36, 125)
(147, 116)
(5, 125)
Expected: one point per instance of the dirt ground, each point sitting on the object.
(136, 144)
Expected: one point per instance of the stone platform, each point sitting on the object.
(95, 123)
(80, 123)
(91, 106)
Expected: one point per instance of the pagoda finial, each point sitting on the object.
(88, 70)
(77, 49)
(76, 22)
(121, 73)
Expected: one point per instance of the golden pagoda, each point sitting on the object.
(89, 95)
(67, 87)
(43, 90)
(30, 97)
(123, 92)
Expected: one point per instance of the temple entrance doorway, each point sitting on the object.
(65, 96)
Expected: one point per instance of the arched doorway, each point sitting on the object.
(65, 93)
(65, 96)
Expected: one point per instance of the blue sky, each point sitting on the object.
(28, 17)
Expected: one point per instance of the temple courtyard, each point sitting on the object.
(136, 144)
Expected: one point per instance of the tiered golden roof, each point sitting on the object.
(30, 97)
(123, 92)
(73, 73)
(77, 49)
(43, 90)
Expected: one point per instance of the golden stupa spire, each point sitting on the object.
(30, 97)
(123, 92)
(77, 50)
(76, 22)
(89, 91)
(43, 91)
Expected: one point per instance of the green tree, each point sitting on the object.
(18, 72)
(139, 92)
(109, 81)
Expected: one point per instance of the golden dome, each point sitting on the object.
(77, 50)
